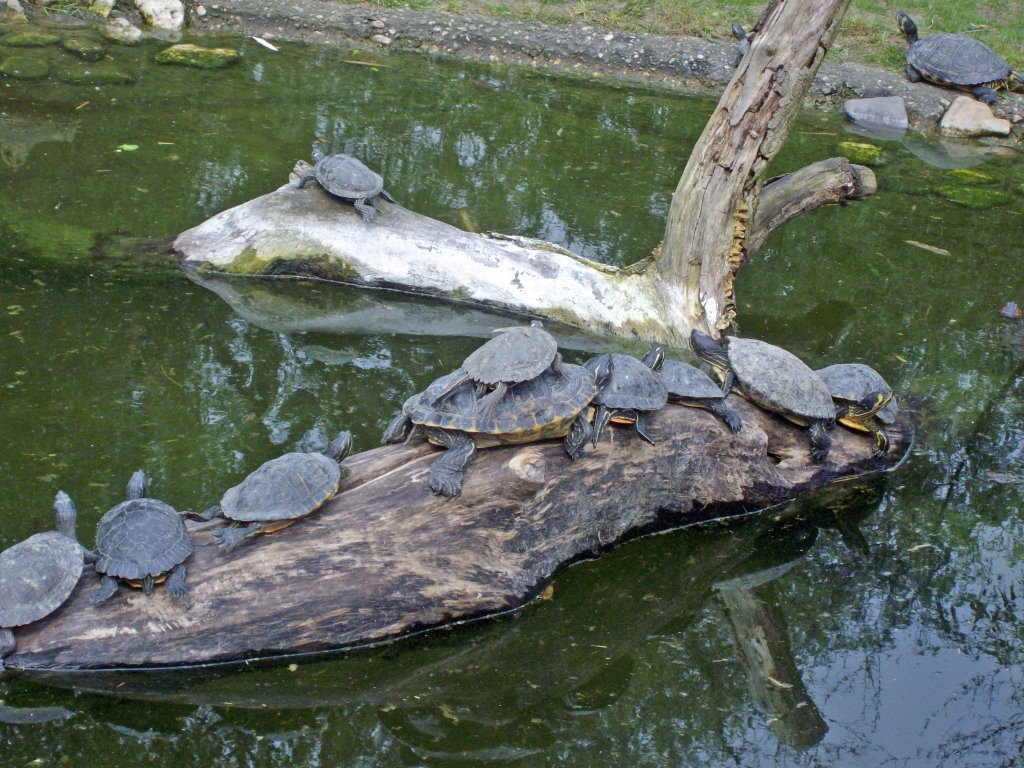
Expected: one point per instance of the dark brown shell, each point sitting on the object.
(851, 382)
(346, 177)
(684, 381)
(36, 576)
(139, 538)
(515, 355)
(632, 385)
(778, 380)
(957, 60)
(290, 486)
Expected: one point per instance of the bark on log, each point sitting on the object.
(386, 558)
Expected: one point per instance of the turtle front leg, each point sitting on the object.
(579, 433)
(985, 94)
(486, 404)
(821, 443)
(912, 74)
(7, 645)
(305, 179)
(601, 419)
(448, 471)
(108, 588)
(207, 514)
(725, 413)
(366, 209)
(176, 586)
(397, 430)
(881, 440)
(640, 425)
(229, 538)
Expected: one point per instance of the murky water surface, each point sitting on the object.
(892, 614)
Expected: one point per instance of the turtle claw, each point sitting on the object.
(445, 481)
(176, 586)
(108, 588)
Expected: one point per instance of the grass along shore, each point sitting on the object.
(869, 33)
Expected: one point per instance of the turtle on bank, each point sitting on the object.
(513, 356)
(281, 491)
(774, 379)
(37, 575)
(551, 405)
(632, 391)
(687, 385)
(345, 177)
(958, 61)
(864, 400)
(142, 542)
(742, 42)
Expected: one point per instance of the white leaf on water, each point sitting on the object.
(265, 43)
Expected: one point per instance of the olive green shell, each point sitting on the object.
(779, 381)
(851, 382)
(36, 577)
(632, 385)
(541, 408)
(685, 382)
(290, 486)
(957, 60)
(518, 354)
(347, 178)
(139, 538)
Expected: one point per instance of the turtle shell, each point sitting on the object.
(139, 538)
(850, 382)
(36, 576)
(957, 60)
(632, 385)
(346, 177)
(684, 381)
(778, 380)
(518, 354)
(538, 409)
(290, 486)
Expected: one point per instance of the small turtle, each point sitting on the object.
(37, 575)
(141, 541)
(345, 177)
(281, 491)
(863, 400)
(632, 391)
(553, 404)
(513, 356)
(958, 61)
(690, 386)
(742, 42)
(774, 379)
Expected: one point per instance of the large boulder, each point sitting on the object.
(882, 112)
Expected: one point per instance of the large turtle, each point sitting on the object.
(345, 177)
(551, 405)
(864, 400)
(142, 542)
(281, 491)
(37, 575)
(774, 379)
(515, 355)
(687, 385)
(958, 61)
(632, 391)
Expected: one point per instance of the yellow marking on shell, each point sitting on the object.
(137, 583)
(277, 525)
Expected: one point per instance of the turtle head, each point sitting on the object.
(738, 31)
(602, 370)
(908, 26)
(870, 404)
(709, 350)
(136, 485)
(65, 516)
(340, 447)
(655, 357)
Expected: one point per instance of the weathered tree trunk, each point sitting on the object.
(713, 225)
(386, 558)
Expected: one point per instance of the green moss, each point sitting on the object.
(321, 266)
(862, 152)
(29, 39)
(973, 197)
(103, 73)
(190, 55)
(84, 48)
(970, 176)
(24, 67)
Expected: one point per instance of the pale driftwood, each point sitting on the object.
(689, 285)
(387, 558)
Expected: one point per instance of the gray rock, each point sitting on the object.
(162, 14)
(968, 117)
(886, 112)
(121, 31)
(11, 11)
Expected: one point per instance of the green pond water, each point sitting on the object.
(893, 610)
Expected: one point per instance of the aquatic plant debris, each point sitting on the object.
(926, 247)
(265, 43)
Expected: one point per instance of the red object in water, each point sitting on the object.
(1010, 310)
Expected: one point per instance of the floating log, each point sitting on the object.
(386, 558)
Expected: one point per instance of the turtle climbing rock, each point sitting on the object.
(550, 405)
(37, 575)
(345, 177)
(864, 400)
(281, 491)
(142, 542)
(774, 379)
(632, 391)
(958, 61)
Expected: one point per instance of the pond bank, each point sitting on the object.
(694, 65)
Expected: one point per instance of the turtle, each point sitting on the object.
(687, 385)
(142, 542)
(632, 391)
(958, 61)
(742, 42)
(551, 405)
(38, 574)
(863, 400)
(515, 355)
(774, 379)
(280, 491)
(345, 177)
